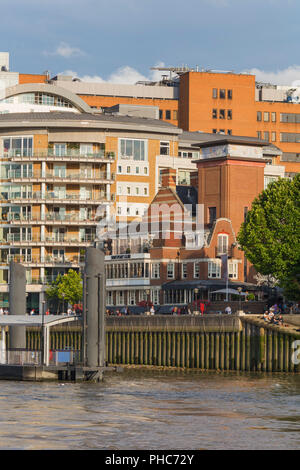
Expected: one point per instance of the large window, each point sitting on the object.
(214, 269)
(135, 149)
(17, 146)
(45, 99)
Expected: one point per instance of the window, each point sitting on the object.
(214, 269)
(229, 94)
(266, 136)
(273, 117)
(229, 131)
(119, 169)
(214, 113)
(184, 177)
(266, 116)
(155, 270)
(165, 148)
(145, 191)
(259, 134)
(289, 137)
(160, 114)
(268, 180)
(229, 113)
(214, 131)
(258, 116)
(222, 114)
(155, 296)
(273, 136)
(196, 270)
(232, 269)
(168, 114)
(135, 149)
(175, 115)
(128, 169)
(212, 214)
(145, 170)
(128, 189)
(137, 191)
(137, 170)
(120, 297)
(222, 244)
(131, 297)
(215, 92)
(184, 270)
(222, 93)
(170, 270)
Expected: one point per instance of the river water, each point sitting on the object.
(147, 410)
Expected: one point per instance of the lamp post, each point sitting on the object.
(63, 296)
(240, 302)
(148, 299)
(43, 334)
(196, 298)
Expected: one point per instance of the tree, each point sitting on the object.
(270, 235)
(67, 288)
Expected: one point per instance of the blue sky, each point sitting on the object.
(119, 40)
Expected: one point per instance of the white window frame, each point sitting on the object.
(170, 272)
(233, 270)
(214, 269)
(196, 270)
(131, 156)
(155, 271)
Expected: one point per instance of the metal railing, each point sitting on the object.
(46, 153)
(92, 177)
(55, 260)
(18, 238)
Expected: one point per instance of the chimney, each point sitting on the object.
(194, 179)
(168, 178)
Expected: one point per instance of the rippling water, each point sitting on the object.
(153, 410)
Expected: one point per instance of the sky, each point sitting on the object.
(120, 40)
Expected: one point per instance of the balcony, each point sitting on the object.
(223, 251)
(48, 260)
(52, 197)
(50, 218)
(17, 155)
(64, 177)
(57, 239)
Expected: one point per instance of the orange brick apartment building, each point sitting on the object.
(206, 101)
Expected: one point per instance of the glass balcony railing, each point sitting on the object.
(58, 238)
(50, 195)
(46, 153)
(86, 176)
(48, 259)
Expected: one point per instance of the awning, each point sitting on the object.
(208, 284)
(228, 291)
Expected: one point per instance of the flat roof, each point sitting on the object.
(55, 118)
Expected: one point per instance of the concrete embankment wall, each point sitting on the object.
(214, 342)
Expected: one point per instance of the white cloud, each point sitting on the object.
(288, 76)
(66, 51)
(125, 75)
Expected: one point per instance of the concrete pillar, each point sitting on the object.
(94, 309)
(17, 303)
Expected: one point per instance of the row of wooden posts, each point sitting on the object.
(253, 348)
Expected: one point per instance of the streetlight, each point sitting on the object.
(43, 334)
(148, 298)
(63, 296)
(240, 302)
(196, 298)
